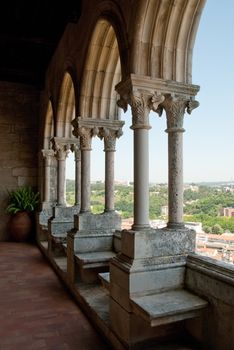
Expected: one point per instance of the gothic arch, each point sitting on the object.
(65, 108)
(48, 126)
(102, 72)
(164, 34)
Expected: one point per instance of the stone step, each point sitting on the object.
(65, 248)
(44, 244)
(168, 307)
(61, 262)
(105, 280)
(94, 259)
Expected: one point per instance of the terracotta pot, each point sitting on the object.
(20, 226)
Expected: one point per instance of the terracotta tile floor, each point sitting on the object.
(35, 310)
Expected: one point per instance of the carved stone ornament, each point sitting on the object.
(85, 138)
(140, 111)
(48, 154)
(109, 136)
(175, 109)
(61, 150)
(75, 124)
(192, 104)
(123, 104)
(155, 103)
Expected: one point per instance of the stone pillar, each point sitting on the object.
(77, 154)
(61, 152)
(141, 104)
(85, 146)
(175, 109)
(48, 155)
(109, 137)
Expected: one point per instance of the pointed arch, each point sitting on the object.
(164, 34)
(49, 126)
(101, 73)
(65, 108)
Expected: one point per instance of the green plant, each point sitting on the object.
(22, 199)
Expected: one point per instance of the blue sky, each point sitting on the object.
(209, 136)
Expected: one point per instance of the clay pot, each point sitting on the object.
(20, 226)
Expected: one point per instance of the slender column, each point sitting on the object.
(109, 137)
(85, 145)
(48, 154)
(61, 152)
(77, 153)
(140, 126)
(175, 110)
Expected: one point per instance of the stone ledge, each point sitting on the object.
(168, 307)
(105, 280)
(216, 269)
(95, 259)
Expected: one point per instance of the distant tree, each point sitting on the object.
(207, 229)
(217, 229)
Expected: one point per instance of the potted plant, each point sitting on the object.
(22, 203)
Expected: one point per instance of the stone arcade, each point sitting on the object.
(144, 285)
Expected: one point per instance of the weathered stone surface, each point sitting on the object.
(104, 221)
(213, 281)
(157, 243)
(168, 307)
(19, 114)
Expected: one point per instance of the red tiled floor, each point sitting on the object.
(35, 310)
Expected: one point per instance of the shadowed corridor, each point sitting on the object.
(36, 311)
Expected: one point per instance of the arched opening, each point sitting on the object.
(49, 126)
(101, 73)
(66, 108)
(99, 113)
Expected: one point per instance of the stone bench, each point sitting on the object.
(94, 259)
(168, 307)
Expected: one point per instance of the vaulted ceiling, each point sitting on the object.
(29, 33)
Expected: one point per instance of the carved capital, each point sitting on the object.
(175, 108)
(48, 154)
(85, 138)
(61, 150)
(110, 136)
(140, 111)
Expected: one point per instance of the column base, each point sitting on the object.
(139, 227)
(175, 225)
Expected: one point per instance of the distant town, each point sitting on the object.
(208, 209)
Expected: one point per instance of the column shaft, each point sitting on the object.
(47, 183)
(109, 180)
(141, 179)
(85, 181)
(61, 186)
(48, 156)
(175, 178)
(77, 178)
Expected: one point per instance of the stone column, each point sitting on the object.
(85, 146)
(140, 127)
(77, 154)
(61, 152)
(175, 109)
(109, 137)
(141, 104)
(48, 155)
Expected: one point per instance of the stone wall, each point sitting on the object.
(19, 121)
(214, 281)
